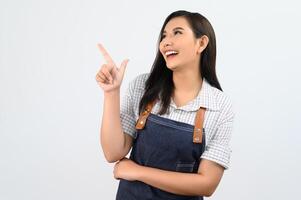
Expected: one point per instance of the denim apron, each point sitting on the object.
(164, 144)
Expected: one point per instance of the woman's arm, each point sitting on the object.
(202, 183)
(115, 144)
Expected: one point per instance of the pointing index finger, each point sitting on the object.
(105, 54)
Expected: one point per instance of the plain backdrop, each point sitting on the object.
(51, 105)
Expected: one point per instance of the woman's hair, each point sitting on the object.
(160, 83)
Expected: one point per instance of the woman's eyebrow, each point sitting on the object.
(177, 28)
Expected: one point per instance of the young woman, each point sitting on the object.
(176, 118)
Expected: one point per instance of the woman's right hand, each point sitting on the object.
(109, 77)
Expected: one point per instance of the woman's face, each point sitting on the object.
(178, 46)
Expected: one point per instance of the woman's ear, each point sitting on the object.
(202, 43)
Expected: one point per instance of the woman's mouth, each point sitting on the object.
(171, 54)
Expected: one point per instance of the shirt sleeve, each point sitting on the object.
(127, 116)
(218, 148)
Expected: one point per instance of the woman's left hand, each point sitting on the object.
(126, 169)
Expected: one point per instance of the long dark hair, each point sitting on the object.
(160, 83)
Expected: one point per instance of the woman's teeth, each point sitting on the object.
(168, 53)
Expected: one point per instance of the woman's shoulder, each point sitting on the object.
(223, 100)
(136, 86)
(138, 82)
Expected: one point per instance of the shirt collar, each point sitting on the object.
(205, 98)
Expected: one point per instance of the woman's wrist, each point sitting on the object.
(113, 93)
(140, 172)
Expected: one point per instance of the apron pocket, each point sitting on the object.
(185, 166)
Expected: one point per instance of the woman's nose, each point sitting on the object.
(167, 42)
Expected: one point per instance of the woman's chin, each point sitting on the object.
(171, 66)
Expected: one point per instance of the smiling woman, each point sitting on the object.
(181, 37)
(176, 119)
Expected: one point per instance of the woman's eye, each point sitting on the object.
(163, 36)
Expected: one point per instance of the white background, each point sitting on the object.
(51, 106)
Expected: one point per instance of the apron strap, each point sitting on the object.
(144, 115)
(198, 126)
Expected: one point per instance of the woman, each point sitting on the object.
(176, 118)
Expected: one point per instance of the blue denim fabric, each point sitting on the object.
(165, 144)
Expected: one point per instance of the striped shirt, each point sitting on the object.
(218, 119)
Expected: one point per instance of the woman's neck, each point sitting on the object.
(187, 81)
(187, 86)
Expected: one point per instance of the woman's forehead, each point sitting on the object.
(177, 22)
